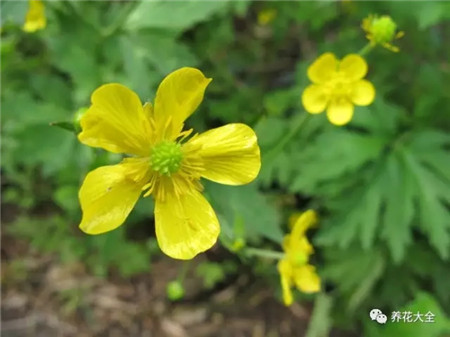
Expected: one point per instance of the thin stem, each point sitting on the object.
(184, 270)
(271, 154)
(366, 49)
(264, 253)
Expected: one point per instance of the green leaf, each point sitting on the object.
(277, 102)
(351, 151)
(354, 271)
(433, 214)
(66, 197)
(399, 206)
(381, 118)
(176, 16)
(83, 67)
(431, 147)
(13, 11)
(246, 204)
(372, 203)
(162, 51)
(137, 71)
(405, 189)
(51, 150)
(213, 273)
(320, 323)
(269, 130)
(429, 14)
(29, 112)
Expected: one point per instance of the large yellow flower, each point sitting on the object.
(294, 268)
(163, 163)
(35, 18)
(337, 87)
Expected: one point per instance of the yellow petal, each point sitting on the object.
(178, 96)
(306, 279)
(353, 67)
(229, 154)
(35, 18)
(297, 246)
(305, 221)
(285, 270)
(116, 121)
(323, 69)
(314, 99)
(185, 226)
(293, 219)
(108, 195)
(363, 93)
(340, 111)
(296, 242)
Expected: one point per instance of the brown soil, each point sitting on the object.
(42, 298)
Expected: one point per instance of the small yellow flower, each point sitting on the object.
(381, 30)
(35, 18)
(294, 268)
(337, 87)
(266, 16)
(163, 163)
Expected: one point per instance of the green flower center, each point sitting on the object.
(166, 157)
(299, 259)
(383, 29)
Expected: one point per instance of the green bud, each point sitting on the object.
(237, 245)
(166, 157)
(77, 118)
(383, 29)
(175, 290)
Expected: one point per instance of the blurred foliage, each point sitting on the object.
(381, 184)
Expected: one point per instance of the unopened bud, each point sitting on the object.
(175, 290)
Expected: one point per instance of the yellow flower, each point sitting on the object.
(266, 16)
(381, 30)
(163, 163)
(337, 86)
(35, 18)
(294, 268)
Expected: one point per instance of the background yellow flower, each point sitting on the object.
(294, 268)
(266, 16)
(337, 87)
(35, 18)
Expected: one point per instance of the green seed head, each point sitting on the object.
(166, 157)
(383, 29)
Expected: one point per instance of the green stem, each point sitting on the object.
(184, 270)
(366, 49)
(271, 154)
(264, 253)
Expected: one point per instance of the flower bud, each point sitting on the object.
(77, 118)
(175, 290)
(381, 30)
